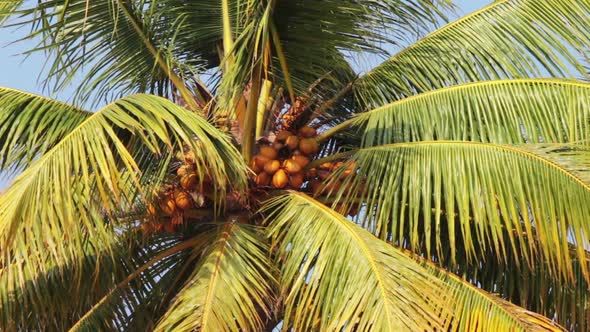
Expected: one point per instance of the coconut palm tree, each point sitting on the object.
(299, 165)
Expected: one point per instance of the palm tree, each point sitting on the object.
(247, 174)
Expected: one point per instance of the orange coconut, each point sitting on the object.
(280, 179)
(292, 142)
(296, 180)
(263, 179)
(303, 161)
(272, 166)
(307, 132)
(183, 200)
(291, 166)
(309, 146)
(269, 152)
(168, 206)
(189, 181)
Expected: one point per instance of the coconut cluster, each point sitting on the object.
(318, 183)
(186, 191)
(281, 163)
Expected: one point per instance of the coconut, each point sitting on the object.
(269, 152)
(280, 179)
(254, 166)
(316, 187)
(291, 166)
(309, 146)
(168, 206)
(278, 145)
(260, 160)
(272, 166)
(263, 179)
(303, 161)
(337, 165)
(307, 132)
(177, 219)
(184, 170)
(151, 209)
(183, 200)
(283, 135)
(332, 186)
(189, 181)
(296, 180)
(157, 226)
(292, 142)
(345, 174)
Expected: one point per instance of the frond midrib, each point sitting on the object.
(54, 101)
(221, 247)
(465, 86)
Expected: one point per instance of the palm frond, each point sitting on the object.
(54, 300)
(350, 27)
(120, 47)
(71, 196)
(337, 276)
(7, 7)
(153, 276)
(507, 39)
(231, 288)
(504, 111)
(477, 195)
(535, 288)
(31, 124)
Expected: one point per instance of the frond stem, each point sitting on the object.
(283, 60)
(249, 136)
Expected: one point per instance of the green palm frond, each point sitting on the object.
(535, 288)
(30, 125)
(231, 288)
(7, 7)
(54, 300)
(72, 195)
(507, 39)
(477, 196)
(348, 28)
(120, 46)
(152, 277)
(337, 276)
(504, 111)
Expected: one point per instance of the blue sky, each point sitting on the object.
(22, 73)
